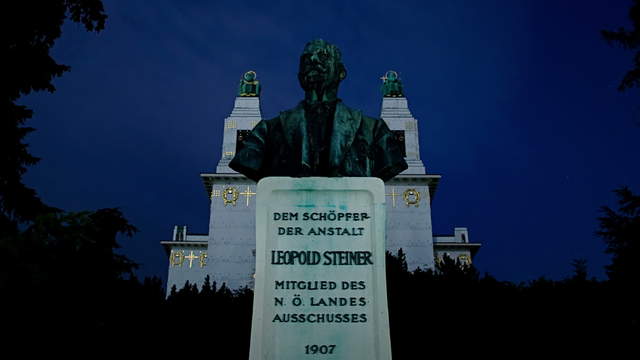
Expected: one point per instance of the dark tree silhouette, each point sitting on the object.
(64, 272)
(60, 248)
(221, 318)
(620, 230)
(32, 27)
(579, 269)
(629, 40)
(61, 274)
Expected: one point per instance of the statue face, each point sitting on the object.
(249, 76)
(320, 67)
(391, 75)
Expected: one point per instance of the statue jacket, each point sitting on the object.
(360, 146)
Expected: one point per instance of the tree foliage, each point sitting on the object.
(32, 27)
(61, 273)
(70, 263)
(620, 230)
(213, 315)
(628, 39)
(579, 269)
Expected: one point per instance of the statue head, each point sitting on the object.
(391, 75)
(321, 70)
(391, 84)
(250, 75)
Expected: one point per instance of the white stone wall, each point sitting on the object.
(232, 232)
(395, 112)
(232, 226)
(244, 116)
(187, 269)
(409, 223)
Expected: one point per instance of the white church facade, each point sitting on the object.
(227, 252)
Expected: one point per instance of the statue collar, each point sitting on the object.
(346, 122)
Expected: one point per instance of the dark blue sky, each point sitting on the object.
(516, 101)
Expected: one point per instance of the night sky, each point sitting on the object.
(516, 102)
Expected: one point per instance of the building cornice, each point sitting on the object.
(472, 247)
(431, 181)
(168, 245)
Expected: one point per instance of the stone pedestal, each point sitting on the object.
(320, 289)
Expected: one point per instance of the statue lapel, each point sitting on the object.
(345, 125)
(294, 127)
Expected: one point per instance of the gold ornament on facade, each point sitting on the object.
(203, 259)
(411, 197)
(215, 193)
(393, 195)
(191, 257)
(176, 258)
(230, 196)
(464, 259)
(230, 124)
(248, 194)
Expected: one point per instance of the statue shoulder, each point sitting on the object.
(375, 123)
(294, 111)
(368, 124)
(289, 119)
(266, 125)
(267, 128)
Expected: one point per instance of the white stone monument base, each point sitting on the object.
(320, 288)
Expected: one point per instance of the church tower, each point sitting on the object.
(227, 252)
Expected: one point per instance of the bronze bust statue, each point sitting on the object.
(321, 136)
